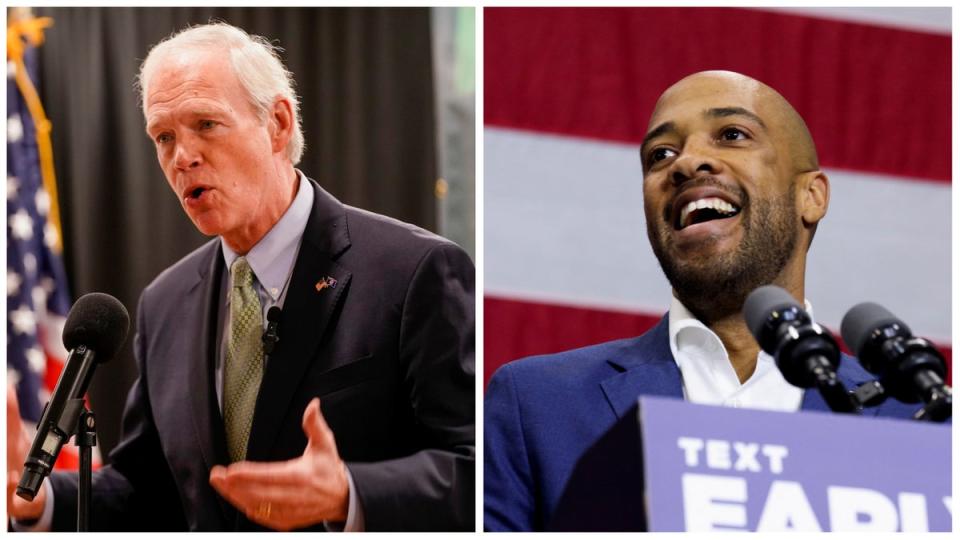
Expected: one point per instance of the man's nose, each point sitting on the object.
(187, 155)
(696, 158)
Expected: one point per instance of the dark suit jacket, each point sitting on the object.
(543, 414)
(389, 352)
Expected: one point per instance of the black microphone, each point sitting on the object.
(271, 335)
(805, 353)
(909, 368)
(95, 329)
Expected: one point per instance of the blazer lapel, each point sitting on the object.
(316, 287)
(200, 382)
(646, 367)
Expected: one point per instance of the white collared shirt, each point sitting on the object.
(709, 377)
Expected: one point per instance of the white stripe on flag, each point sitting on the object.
(919, 19)
(564, 222)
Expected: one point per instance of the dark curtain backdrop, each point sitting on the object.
(366, 85)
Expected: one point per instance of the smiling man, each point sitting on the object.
(733, 195)
(361, 415)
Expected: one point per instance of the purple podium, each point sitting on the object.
(714, 468)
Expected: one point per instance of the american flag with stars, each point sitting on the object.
(38, 298)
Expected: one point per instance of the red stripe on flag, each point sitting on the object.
(52, 373)
(69, 458)
(516, 328)
(876, 98)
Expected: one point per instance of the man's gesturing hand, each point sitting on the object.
(291, 494)
(18, 445)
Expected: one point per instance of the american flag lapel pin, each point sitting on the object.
(326, 282)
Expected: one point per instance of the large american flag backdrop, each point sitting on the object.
(568, 93)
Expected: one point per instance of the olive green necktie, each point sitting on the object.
(244, 361)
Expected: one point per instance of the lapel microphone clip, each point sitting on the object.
(271, 335)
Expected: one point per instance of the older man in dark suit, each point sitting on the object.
(361, 415)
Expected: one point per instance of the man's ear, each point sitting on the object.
(813, 197)
(280, 124)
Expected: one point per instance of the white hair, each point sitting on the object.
(255, 61)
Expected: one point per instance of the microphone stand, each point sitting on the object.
(85, 440)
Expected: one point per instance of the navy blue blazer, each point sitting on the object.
(542, 414)
(389, 352)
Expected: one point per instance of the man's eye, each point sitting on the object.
(660, 154)
(207, 124)
(733, 134)
(164, 138)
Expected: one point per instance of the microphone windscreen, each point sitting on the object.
(861, 321)
(760, 303)
(98, 321)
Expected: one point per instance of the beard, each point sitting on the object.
(715, 287)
